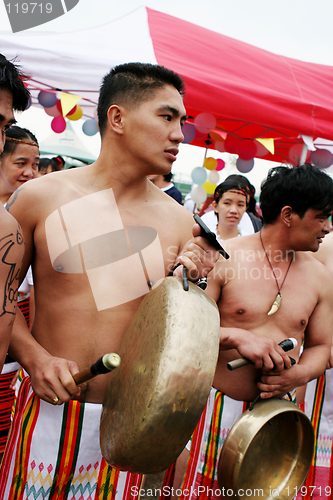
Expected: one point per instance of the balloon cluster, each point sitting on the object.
(205, 179)
(246, 149)
(321, 158)
(63, 108)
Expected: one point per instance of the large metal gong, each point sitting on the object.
(155, 398)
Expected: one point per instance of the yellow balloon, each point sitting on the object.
(210, 163)
(76, 115)
(209, 187)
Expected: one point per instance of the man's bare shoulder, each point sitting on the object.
(7, 222)
(243, 243)
(171, 206)
(325, 252)
(317, 271)
(41, 191)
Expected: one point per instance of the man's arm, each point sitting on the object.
(11, 256)
(317, 346)
(50, 376)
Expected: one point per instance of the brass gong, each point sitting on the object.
(268, 451)
(154, 400)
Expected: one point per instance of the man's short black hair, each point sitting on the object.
(11, 79)
(300, 188)
(131, 84)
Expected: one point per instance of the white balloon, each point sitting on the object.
(198, 194)
(214, 177)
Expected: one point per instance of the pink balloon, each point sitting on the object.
(220, 146)
(54, 111)
(261, 150)
(72, 111)
(59, 106)
(321, 158)
(295, 153)
(58, 124)
(220, 164)
(231, 144)
(246, 149)
(204, 122)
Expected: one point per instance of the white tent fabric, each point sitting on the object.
(250, 92)
(78, 60)
(66, 144)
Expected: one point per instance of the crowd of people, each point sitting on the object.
(56, 228)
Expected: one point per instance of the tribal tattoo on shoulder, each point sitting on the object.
(13, 270)
(13, 198)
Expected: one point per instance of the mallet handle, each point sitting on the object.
(105, 364)
(286, 345)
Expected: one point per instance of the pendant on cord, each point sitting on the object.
(276, 304)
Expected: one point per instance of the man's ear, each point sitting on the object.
(115, 118)
(286, 215)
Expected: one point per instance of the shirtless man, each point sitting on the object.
(78, 227)
(296, 204)
(318, 406)
(13, 96)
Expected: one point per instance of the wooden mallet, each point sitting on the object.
(105, 364)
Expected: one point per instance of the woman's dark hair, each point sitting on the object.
(231, 182)
(300, 188)
(16, 135)
(133, 83)
(44, 164)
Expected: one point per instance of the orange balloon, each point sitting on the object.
(76, 115)
(210, 163)
(215, 136)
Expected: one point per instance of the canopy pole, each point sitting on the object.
(303, 154)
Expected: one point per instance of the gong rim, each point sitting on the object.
(268, 450)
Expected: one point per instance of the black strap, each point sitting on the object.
(185, 280)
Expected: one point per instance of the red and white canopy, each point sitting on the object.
(251, 93)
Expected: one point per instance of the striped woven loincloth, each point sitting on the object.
(220, 414)
(6, 402)
(53, 453)
(318, 406)
(7, 395)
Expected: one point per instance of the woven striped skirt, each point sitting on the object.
(318, 406)
(53, 452)
(219, 416)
